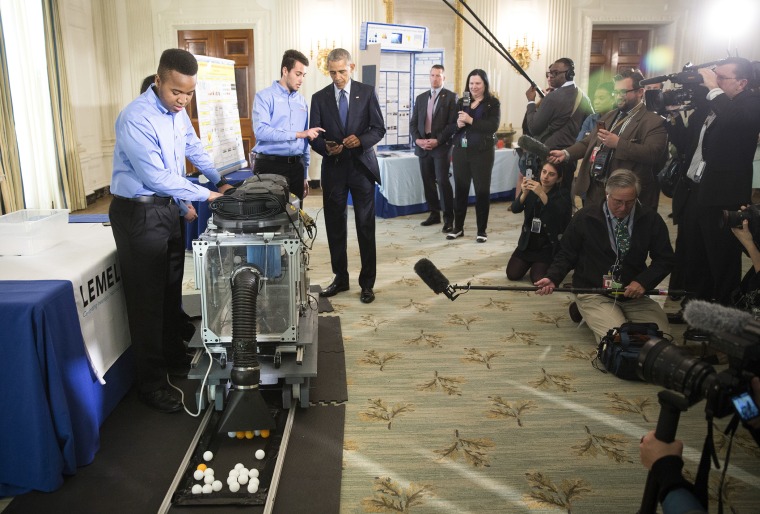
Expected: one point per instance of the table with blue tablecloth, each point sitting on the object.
(400, 191)
(65, 346)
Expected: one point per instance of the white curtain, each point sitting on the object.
(27, 69)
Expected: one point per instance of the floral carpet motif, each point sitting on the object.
(490, 403)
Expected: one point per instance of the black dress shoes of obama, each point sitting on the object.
(367, 295)
(333, 289)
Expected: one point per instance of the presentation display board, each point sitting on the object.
(402, 76)
(218, 118)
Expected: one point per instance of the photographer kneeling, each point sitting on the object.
(607, 245)
(664, 460)
(547, 211)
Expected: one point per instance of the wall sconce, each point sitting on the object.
(321, 56)
(524, 55)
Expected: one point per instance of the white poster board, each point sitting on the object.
(218, 117)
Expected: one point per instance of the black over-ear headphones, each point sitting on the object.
(570, 73)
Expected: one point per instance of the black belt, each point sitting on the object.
(288, 159)
(156, 200)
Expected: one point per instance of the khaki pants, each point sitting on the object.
(602, 313)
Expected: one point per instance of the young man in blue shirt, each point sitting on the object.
(281, 126)
(153, 137)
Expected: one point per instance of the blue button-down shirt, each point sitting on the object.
(277, 115)
(149, 155)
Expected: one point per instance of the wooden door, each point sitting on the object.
(613, 51)
(235, 45)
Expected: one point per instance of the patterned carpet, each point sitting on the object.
(490, 403)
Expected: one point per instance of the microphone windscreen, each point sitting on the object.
(431, 276)
(533, 146)
(715, 318)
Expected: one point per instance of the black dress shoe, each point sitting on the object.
(676, 318)
(433, 219)
(367, 295)
(161, 400)
(575, 313)
(333, 289)
(447, 227)
(696, 335)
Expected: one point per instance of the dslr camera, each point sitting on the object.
(734, 219)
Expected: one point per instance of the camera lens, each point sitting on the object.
(733, 219)
(669, 366)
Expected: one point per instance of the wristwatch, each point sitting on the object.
(221, 183)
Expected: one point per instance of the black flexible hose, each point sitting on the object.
(245, 293)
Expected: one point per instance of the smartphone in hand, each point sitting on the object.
(600, 125)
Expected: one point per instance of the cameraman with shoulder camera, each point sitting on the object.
(719, 178)
(664, 461)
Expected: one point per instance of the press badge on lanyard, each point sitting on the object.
(612, 279)
(535, 225)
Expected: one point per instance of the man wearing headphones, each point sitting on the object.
(558, 118)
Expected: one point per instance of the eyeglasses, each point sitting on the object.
(621, 92)
(721, 77)
(554, 73)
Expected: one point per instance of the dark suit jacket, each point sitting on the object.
(554, 122)
(554, 216)
(642, 148)
(365, 120)
(728, 148)
(443, 124)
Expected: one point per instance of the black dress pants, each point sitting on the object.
(151, 255)
(293, 172)
(439, 194)
(339, 177)
(472, 166)
(711, 254)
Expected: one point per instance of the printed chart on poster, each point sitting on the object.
(394, 89)
(218, 117)
(403, 75)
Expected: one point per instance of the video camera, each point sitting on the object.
(689, 81)
(725, 392)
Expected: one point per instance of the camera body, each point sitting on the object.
(669, 366)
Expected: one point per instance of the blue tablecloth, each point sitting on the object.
(401, 193)
(51, 402)
(198, 226)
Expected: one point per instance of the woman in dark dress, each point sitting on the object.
(473, 153)
(548, 210)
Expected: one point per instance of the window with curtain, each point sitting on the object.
(23, 33)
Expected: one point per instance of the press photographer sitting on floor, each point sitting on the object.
(607, 245)
(664, 461)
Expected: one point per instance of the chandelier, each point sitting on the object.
(523, 54)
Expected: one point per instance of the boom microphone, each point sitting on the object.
(533, 146)
(434, 278)
(715, 319)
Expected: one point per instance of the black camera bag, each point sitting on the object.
(670, 174)
(619, 350)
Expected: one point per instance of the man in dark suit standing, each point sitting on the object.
(719, 178)
(349, 112)
(432, 124)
